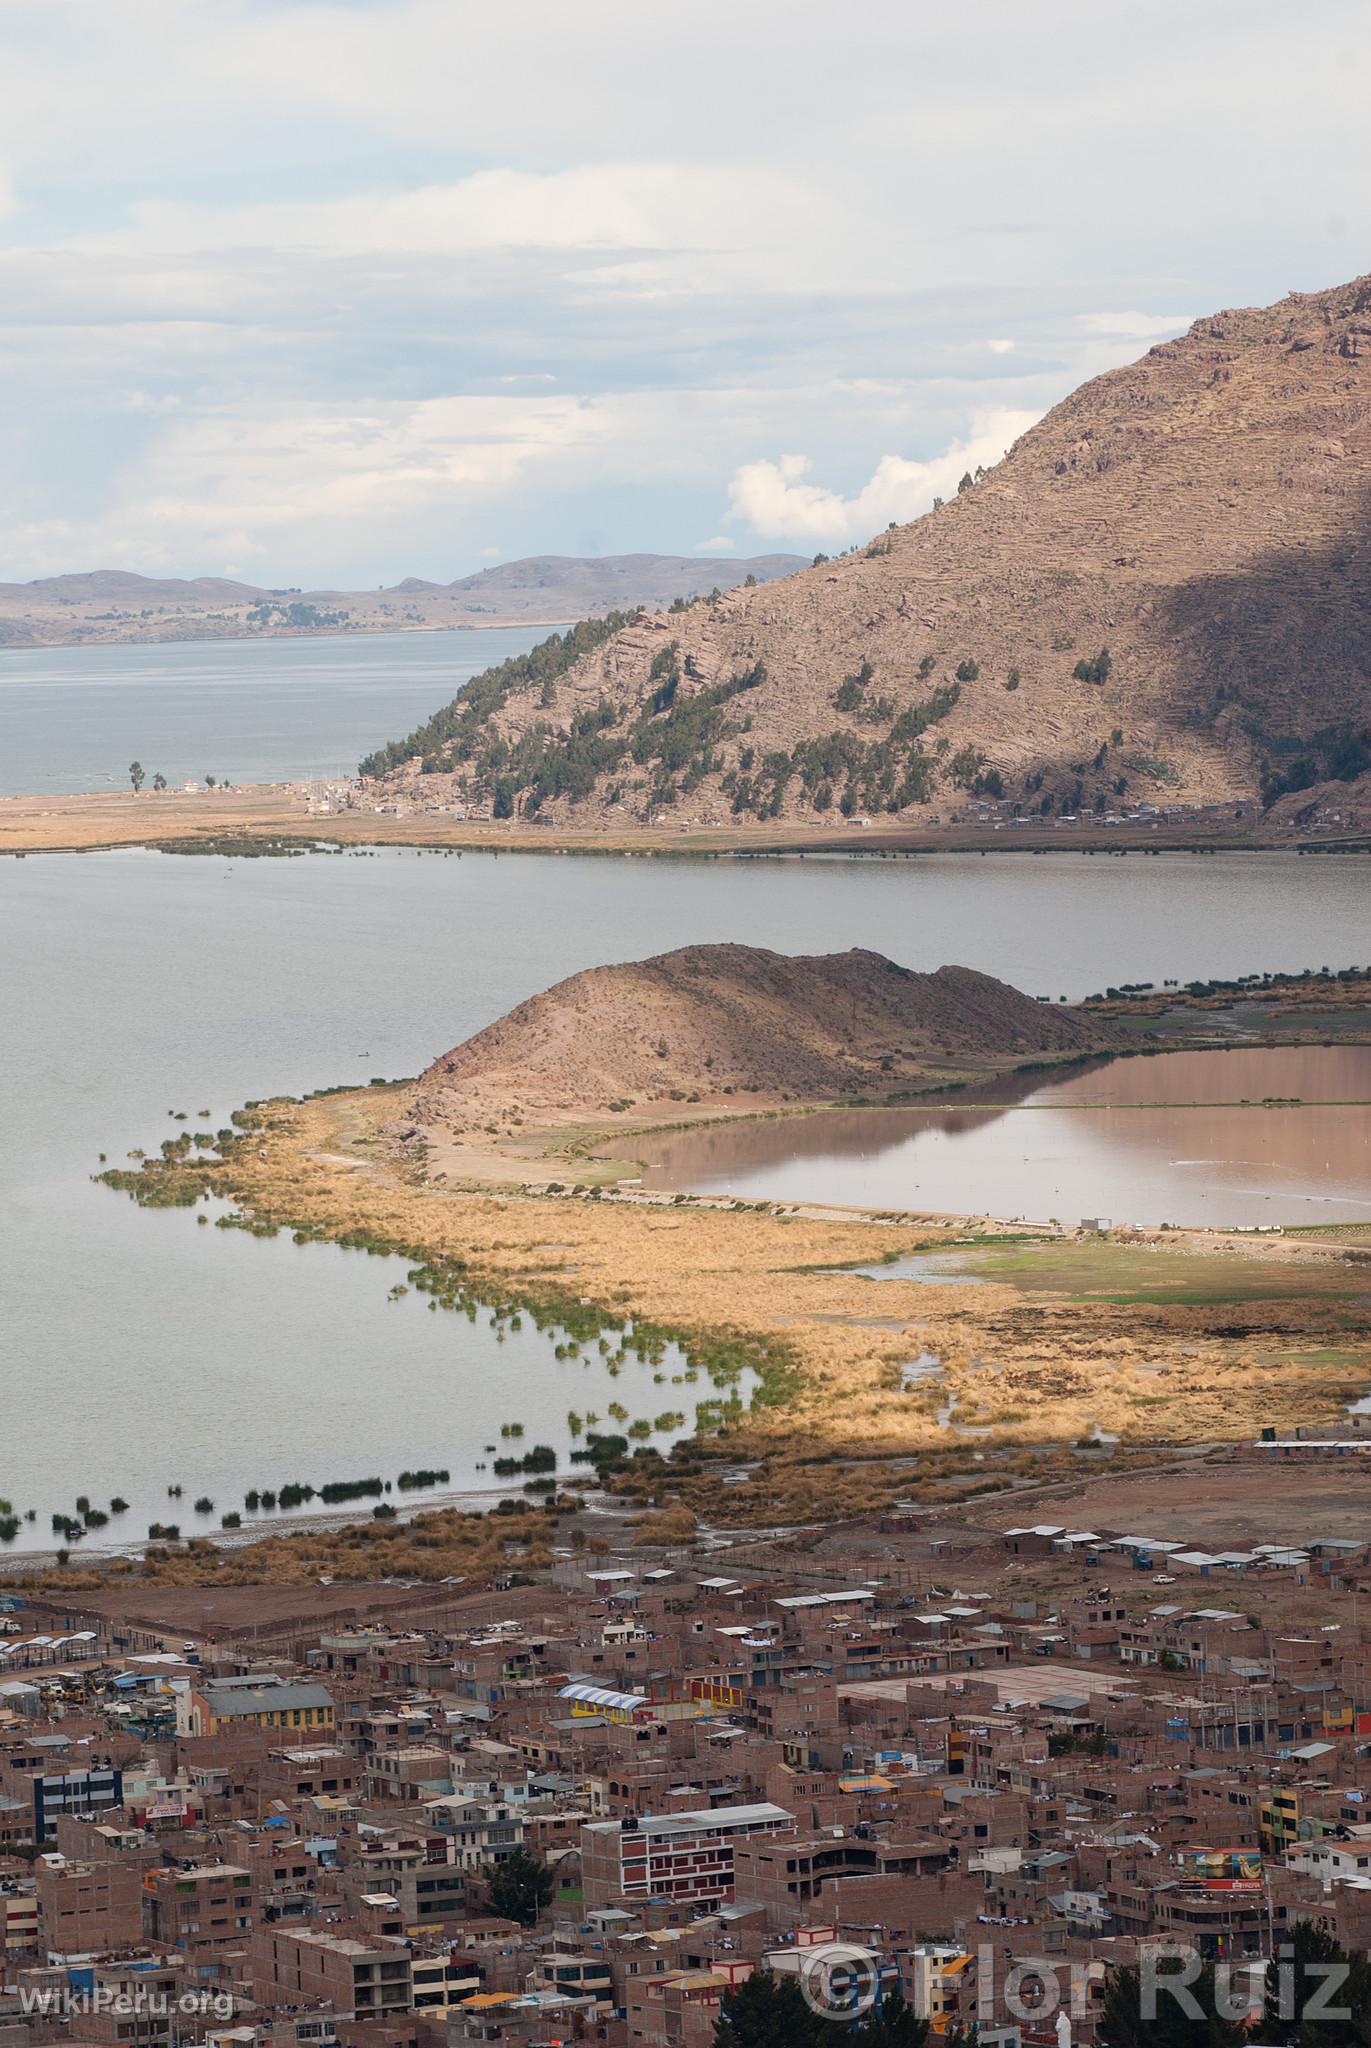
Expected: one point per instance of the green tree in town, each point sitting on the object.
(136, 775)
(767, 2011)
(895, 2025)
(1185, 2018)
(1298, 1975)
(519, 1888)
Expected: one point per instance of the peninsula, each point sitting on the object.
(503, 1171)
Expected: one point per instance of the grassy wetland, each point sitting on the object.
(260, 1346)
(892, 1357)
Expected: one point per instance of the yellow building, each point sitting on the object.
(262, 1701)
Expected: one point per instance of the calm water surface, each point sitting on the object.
(137, 1348)
(72, 718)
(1177, 1138)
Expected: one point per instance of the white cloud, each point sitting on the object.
(1135, 326)
(489, 554)
(775, 498)
(253, 482)
(610, 206)
(717, 544)
(261, 323)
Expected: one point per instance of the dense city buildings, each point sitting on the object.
(971, 1748)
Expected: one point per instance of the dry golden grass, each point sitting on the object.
(1032, 1372)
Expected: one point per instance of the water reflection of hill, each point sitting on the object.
(1146, 1140)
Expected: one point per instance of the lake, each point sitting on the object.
(137, 1348)
(1179, 1138)
(73, 718)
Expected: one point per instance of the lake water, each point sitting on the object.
(137, 1348)
(1175, 1138)
(72, 718)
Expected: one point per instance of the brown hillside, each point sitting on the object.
(709, 1023)
(1204, 515)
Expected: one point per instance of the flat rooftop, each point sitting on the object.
(1036, 1682)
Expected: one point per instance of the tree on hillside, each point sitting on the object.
(519, 1888)
(136, 775)
(1096, 671)
(159, 780)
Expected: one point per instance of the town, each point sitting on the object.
(997, 1765)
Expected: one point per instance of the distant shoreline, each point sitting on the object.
(368, 631)
(256, 818)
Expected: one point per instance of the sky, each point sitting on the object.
(331, 294)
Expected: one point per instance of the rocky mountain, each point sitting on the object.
(116, 604)
(722, 1025)
(1162, 593)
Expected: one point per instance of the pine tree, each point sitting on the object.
(1296, 1976)
(770, 2012)
(519, 1888)
(1123, 2024)
(895, 2025)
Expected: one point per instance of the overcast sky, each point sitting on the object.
(338, 293)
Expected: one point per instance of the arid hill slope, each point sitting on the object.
(1204, 515)
(710, 1024)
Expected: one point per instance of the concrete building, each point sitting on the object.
(361, 1977)
(684, 1857)
(207, 1906)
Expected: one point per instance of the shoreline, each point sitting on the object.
(253, 819)
(781, 1286)
(1025, 1367)
(370, 630)
(461, 1499)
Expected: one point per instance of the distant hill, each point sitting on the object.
(1163, 592)
(725, 1024)
(114, 604)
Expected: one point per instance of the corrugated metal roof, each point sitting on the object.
(603, 1696)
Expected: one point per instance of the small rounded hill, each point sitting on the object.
(707, 1023)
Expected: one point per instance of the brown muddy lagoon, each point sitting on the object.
(1241, 1137)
